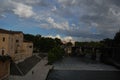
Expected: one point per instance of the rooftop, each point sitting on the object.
(9, 31)
(24, 67)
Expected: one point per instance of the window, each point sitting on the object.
(30, 46)
(17, 41)
(3, 39)
(16, 52)
(3, 52)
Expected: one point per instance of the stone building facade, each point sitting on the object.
(12, 44)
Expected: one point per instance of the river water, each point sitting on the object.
(76, 68)
(83, 75)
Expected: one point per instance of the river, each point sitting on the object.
(83, 75)
(76, 68)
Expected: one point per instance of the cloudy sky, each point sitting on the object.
(81, 20)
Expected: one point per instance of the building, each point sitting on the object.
(28, 48)
(4, 67)
(12, 44)
(68, 50)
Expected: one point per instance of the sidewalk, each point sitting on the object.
(39, 72)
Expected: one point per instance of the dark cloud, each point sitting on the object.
(115, 2)
(93, 19)
(94, 11)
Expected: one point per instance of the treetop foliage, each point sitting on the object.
(42, 44)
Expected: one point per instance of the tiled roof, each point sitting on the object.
(24, 66)
(9, 32)
(14, 69)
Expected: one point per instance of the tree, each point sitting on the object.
(69, 44)
(58, 42)
(55, 54)
(42, 44)
(29, 37)
(107, 42)
(117, 39)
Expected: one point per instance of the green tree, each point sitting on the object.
(107, 42)
(117, 39)
(55, 54)
(29, 37)
(58, 42)
(42, 44)
(69, 44)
